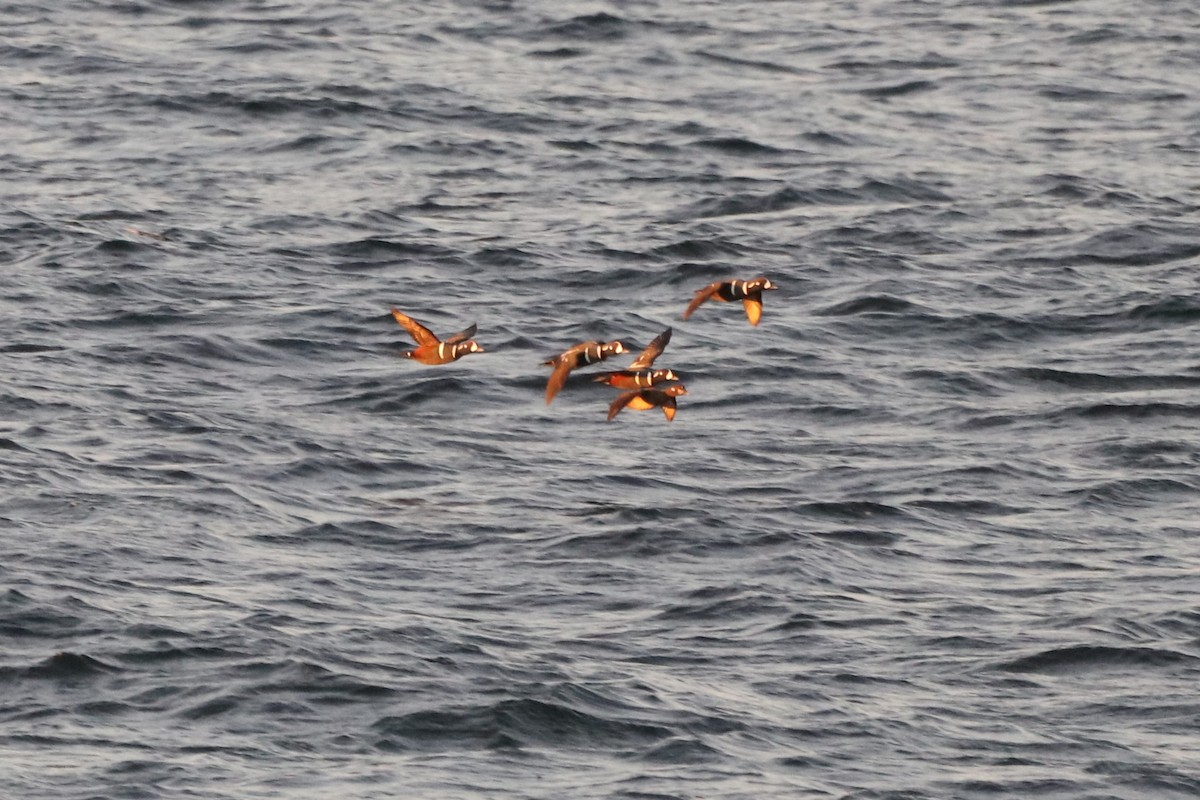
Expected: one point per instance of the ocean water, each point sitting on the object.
(929, 531)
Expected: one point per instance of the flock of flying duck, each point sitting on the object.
(639, 382)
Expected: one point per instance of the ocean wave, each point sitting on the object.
(1077, 659)
(513, 723)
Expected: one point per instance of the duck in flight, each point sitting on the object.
(432, 350)
(646, 399)
(639, 375)
(749, 292)
(578, 356)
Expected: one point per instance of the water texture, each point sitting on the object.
(929, 531)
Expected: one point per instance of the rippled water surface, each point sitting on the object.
(928, 531)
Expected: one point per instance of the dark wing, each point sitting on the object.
(652, 351)
(420, 334)
(571, 354)
(753, 305)
(701, 296)
(622, 400)
(461, 336)
(562, 368)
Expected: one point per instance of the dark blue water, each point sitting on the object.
(928, 531)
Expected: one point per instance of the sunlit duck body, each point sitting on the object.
(431, 349)
(749, 292)
(639, 375)
(634, 379)
(646, 399)
(578, 356)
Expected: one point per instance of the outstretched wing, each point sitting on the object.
(622, 400)
(420, 334)
(753, 305)
(562, 368)
(652, 351)
(461, 336)
(701, 296)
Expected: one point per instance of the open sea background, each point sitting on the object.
(929, 531)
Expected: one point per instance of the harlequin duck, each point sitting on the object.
(633, 379)
(645, 399)
(639, 375)
(578, 356)
(749, 292)
(431, 349)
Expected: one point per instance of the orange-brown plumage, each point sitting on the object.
(652, 351)
(646, 399)
(639, 375)
(432, 350)
(580, 355)
(635, 379)
(749, 292)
